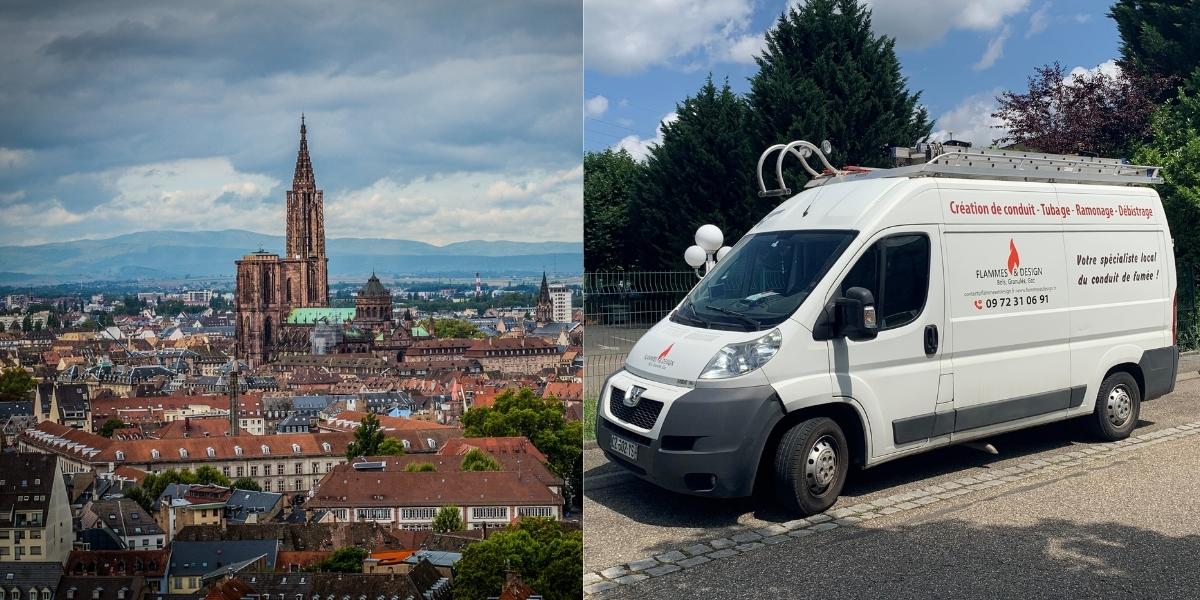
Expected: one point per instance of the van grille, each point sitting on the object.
(644, 415)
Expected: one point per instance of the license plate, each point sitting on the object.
(623, 447)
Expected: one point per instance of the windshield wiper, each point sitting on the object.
(696, 316)
(734, 313)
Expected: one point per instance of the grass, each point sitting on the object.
(589, 419)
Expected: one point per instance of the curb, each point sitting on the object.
(748, 540)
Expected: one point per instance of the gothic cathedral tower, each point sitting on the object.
(270, 286)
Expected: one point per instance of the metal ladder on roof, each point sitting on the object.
(944, 160)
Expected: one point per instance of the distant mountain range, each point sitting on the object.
(172, 254)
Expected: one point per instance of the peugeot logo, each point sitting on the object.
(633, 396)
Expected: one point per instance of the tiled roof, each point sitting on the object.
(401, 488)
(101, 588)
(150, 563)
(527, 464)
(496, 446)
(349, 420)
(95, 449)
(26, 484)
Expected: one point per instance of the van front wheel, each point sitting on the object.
(1118, 405)
(810, 466)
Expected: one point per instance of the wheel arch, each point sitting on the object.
(844, 412)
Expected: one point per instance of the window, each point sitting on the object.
(183, 453)
(16, 594)
(489, 512)
(120, 456)
(96, 591)
(895, 270)
(241, 471)
(326, 447)
(295, 448)
(299, 468)
(225, 470)
(35, 550)
(45, 594)
(299, 485)
(413, 514)
(266, 449)
(254, 470)
(535, 511)
(154, 454)
(237, 450)
(279, 469)
(316, 468)
(210, 451)
(373, 514)
(763, 279)
(432, 443)
(267, 485)
(407, 446)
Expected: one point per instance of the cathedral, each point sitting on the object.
(269, 286)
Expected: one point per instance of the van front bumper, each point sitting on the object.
(706, 441)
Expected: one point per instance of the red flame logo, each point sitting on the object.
(666, 352)
(1014, 259)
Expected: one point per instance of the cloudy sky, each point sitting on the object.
(643, 57)
(434, 121)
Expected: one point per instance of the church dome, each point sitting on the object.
(373, 289)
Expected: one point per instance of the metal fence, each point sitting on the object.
(618, 308)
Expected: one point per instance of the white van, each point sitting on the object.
(883, 313)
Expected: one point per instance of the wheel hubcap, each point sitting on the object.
(1120, 406)
(821, 465)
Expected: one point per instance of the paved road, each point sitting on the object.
(1028, 531)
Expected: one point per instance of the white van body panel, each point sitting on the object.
(1036, 291)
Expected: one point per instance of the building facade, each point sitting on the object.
(269, 286)
(35, 515)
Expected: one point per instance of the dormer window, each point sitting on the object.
(211, 452)
(295, 448)
(121, 594)
(432, 443)
(120, 456)
(96, 593)
(183, 453)
(324, 446)
(154, 454)
(406, 444)
(237, 450)
(266, 449)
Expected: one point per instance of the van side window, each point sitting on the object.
(896, 271)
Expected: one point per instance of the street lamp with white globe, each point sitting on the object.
(707, 251)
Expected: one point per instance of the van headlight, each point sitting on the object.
(739, 359)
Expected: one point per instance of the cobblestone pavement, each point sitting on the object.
(673, 544)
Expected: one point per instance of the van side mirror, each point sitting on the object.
(855, 315)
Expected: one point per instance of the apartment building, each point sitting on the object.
(35, 516)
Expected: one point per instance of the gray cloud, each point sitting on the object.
(395, 92)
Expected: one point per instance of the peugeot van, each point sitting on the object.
(883, 313)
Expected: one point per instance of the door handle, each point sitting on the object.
(931, 340)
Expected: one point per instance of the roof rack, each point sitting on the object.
(946, 160)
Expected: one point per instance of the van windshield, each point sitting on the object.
(763, 280)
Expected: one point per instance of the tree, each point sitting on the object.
(421, 467)
(609, 180)
(1, 327)
(542, 551)
(543, 423)
(454, 328)
(110, 426)
(27, 323)
(154, 484)
(448, 519)
(1175, 146)
(390, 447)
(52, 322)
(15, 384)
(246, 483)
(1081, 113)
(367, 438)
(824, 75)
(1158, 39)
(702, 172)
(478, 460)
(347, 559)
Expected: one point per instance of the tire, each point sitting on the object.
(1118, 404)
(811, 463)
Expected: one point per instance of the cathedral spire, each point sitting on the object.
(304, 177)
